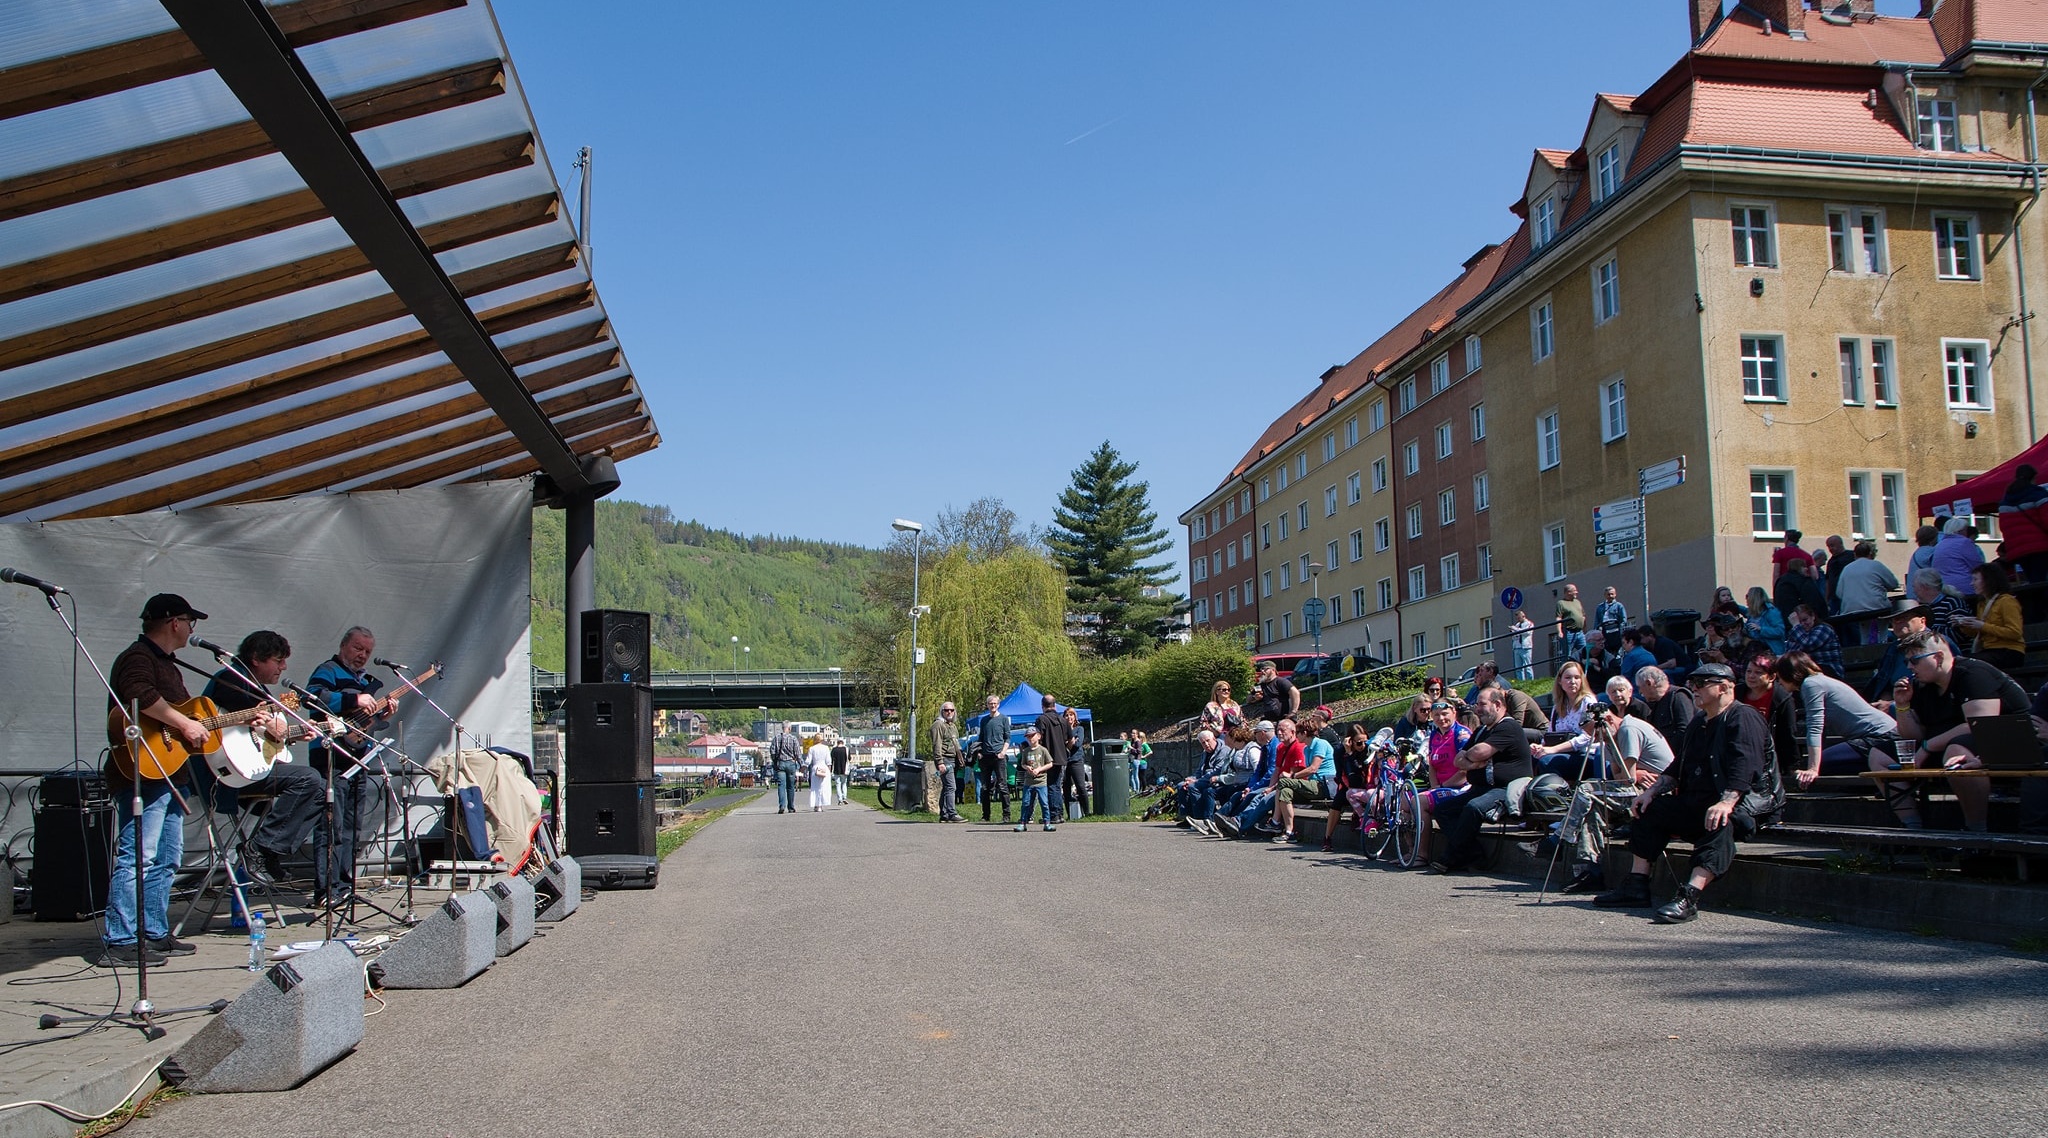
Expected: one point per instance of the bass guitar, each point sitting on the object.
(161, 752)
(351, 740)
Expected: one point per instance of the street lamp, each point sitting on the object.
(916, 532)
(839, 693)
(749, 650)
(1315, 629)
(735, 655)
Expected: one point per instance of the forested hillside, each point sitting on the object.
(788, 599)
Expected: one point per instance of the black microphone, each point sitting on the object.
(208, 646)
(309, 703)
(17, 577)
(392, 664)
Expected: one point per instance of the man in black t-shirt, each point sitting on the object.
(1277, 699)
(1497, 756)
(1936, 700)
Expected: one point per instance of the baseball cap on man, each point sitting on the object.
(1265, 725)
(1711, 671)
(164, 606)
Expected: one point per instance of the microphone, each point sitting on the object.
(208, 646)
(17, 577)
(392, 664)
(309, 704)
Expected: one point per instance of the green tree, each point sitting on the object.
(1103, 531)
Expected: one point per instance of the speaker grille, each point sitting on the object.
(617, 646)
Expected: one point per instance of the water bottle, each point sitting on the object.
(256, 960)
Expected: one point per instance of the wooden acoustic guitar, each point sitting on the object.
(161, 752)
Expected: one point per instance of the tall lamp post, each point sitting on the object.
(735, 655)
(839, 696)
(749, 650)
(916, 532)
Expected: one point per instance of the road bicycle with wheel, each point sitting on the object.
(1391, 815)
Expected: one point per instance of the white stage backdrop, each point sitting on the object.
(438, 574)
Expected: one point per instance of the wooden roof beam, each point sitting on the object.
(619, 443)
(632, 415)
(164, 159)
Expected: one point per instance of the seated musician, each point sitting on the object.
(145, 676)
(345, 690)
(300, 805)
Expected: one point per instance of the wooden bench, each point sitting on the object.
(1886, 840)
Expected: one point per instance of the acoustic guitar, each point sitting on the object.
(161, 752)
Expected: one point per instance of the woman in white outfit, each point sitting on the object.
(819, 760)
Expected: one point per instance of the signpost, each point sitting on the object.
(1622, 528)
(1312, 620)
(1511, 598)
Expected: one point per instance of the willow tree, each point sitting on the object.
(994, 622)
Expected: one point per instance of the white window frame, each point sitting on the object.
(1376, 417)
(1936, 128)
(1281, 478)
(1443, 441)
(1884, 372)
(1439, 374)
(1614, 410)
(1266, 583)
(1607, 172)
(1265, 488)
(1247, 548)
(1543, 222)
(1891, 487)
(1286, 520)
(1382, 535)
(1746, 232)
(1357, 546)
(1358, 601)
(1447, 572)
(1856, 240)
(1406, 392)
(1755, 388)
(1542, 330)
(1479, 422)
(1484, 554)
(1785, 495)
(1230, 556)
(1859, 504)
(1418, 583)
(1265, 535)
(1329, 446)
(1198, 569)
(1556, 552)
(1386, 591)
(1301, 466)
(1336, 608)
(1414, 518)
(1268, 628)
(1233, 598)
(1446, 506)
(1379, 475)
(1301, 517)
(1482, 492)
(1849, 365)
(1329, 501)
(1411, 458)
(1549, 443)
(1474, 356)
(1351, 432)
(1606, 290)
(1286, 575)
(1958, 253)
(1454, 642)
(1354, 489)
(1286, 625)
(1330, 559)
(1202, 610)
(1952, 374)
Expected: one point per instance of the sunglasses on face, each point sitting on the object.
(1922, 656)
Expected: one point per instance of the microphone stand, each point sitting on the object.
(454, 759)
(335, 774)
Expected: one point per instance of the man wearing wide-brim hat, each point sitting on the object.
(1908, 615)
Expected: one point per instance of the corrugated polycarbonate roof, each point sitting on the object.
(182, 320)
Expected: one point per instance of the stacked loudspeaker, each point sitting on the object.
(608, 795)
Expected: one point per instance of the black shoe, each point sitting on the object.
(256, 864)
(1226, 826)
(172, 946)
(128, 955)
(1633, 894)
(1589, 880)
(1682, 908)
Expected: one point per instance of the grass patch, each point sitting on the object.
(143, 1107)
(667, 841)
(2031, 943)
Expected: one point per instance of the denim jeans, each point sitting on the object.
(1573, 646)
(163, 835)
(785, 786)
(1257, 810)
(1036, 794)
(1522, 669)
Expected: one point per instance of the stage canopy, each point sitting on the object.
(369, 284)
(1980, 495)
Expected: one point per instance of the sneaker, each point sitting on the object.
(1226, 826)
(1328, 846)
(1589, 880)
(172, 946)
(256, 864)
(1202, 826)
(128, 955)
(1050, 829)
(1683, 908)
(1284, 837)
(1633, 894)
(1021, 829)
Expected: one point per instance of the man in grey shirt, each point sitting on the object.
(1642, 753)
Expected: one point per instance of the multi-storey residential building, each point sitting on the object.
(1223, 561)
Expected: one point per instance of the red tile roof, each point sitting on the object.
(1833, 120)
(1960, 22)
(1887, 39)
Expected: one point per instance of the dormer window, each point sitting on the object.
(1607, 173)
(1543, 222)
(1938, 125)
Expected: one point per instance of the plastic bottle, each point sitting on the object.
(256, 957)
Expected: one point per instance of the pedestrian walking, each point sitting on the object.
(840, 758)
(819, 760)
(1052, 735)
(785, 753)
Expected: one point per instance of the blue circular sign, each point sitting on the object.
(1511, 598)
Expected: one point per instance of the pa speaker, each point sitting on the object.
(611, 733)
(617, 647)
(558, 890)
(300, 1016)
(74, 858)
(609, 818)
(456, 940)
(513, 897)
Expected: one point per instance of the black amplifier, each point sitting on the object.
(85, 789)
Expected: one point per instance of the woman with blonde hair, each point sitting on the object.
(1220, 707)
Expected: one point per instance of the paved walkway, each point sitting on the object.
(845, 973)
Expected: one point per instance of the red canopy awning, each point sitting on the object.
(1983, 491)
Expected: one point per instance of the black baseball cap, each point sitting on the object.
(165, 606)
(1711, 671)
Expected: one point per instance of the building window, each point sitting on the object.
(1285, 519)
(1407, 394)
(1472, 357)
(1329, 446)
(1762, 377)
(1482, 492)
(1351, 432)
(1265, 489)
(1856, 240)
(1247, 592)
(1265, 535)
(1613, 410)
(1216, 564)
(1286, 625)
(1386, 588)
(1418, 645)
(1754, 244)
(1358, 601)
(1955, 246)
(1892, 488)
(1301, 515)
(1282, 484)
(1201, 569)
(1247, 547)
(1354, 489)
(1554, 565)
(1883, 388)
(1938, 125)
(1233, 598)
(1443, 440)
(1543, 223)
(1202, 611)
(1447, 507)
(1244, 502)
(1486, 630)
(1200, 527)
(1478, 421)
(1541, 342)
(1850, 353)
(1411, 457)
(1382, 534)
(1607, 173)
(1969, 379)
(1447, 572)
(1230, 511)
(1379, 475)
(1230, 556)
(1269, 630)
(1329, 501)
(1286, 575)
(1301, 465)
(1418, 584)
(1376, 416)
(1485, 558)
(1357, 545)
(1439, 374)
(1415, 520)
(1606, 291)
(1453, 641)
(1336, 608)
(1770, 502)
(1548, 448)
(1266, 583)
(1859, 504)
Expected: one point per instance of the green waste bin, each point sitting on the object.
(1110, 763)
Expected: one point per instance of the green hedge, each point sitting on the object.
(1171, 683)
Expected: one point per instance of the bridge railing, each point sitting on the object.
(819, 677)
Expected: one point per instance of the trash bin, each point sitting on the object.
(1681, 625)
(909, 784)
(1109, 761)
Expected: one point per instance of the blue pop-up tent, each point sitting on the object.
(1023, 707)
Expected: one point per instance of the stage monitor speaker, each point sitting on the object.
(609, 818)
(299, 1016)
(611, 733)
(514, 898)
(456, 940)
(73, 859)
(621, 871)
(558, 890)
(618, 647)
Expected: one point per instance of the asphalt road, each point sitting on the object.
(844, 973)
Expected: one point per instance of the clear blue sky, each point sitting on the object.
(871, 260)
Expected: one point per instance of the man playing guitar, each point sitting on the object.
(345, 690)
(300, 805)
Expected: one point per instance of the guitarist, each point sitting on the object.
(346, 690)
(146, 674)
(300, 806)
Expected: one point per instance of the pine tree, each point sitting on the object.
(1103, 531)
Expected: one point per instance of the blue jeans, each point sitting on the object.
(1573, 646)
(1035, 794)
(785, 786)
(1257, 810)
(163, 835)
(1522, 670)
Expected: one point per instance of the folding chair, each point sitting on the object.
(225, 831)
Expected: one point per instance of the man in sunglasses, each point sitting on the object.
(1936, 700)
(1725, 781)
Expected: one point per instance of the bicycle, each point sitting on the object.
(1394, 804)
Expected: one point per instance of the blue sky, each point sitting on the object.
(871, 260)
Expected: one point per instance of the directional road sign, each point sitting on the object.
(1618, 527)
(1663, 476)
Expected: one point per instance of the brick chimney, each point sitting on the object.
(1785, 15)
(1705, 13)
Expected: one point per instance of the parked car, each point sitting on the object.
(1334, 666)
(1283, 662)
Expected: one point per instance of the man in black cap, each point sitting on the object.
(1724, 784)
(146, 680)
(1908, 616)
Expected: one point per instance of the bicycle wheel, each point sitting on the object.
(1406, 823)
